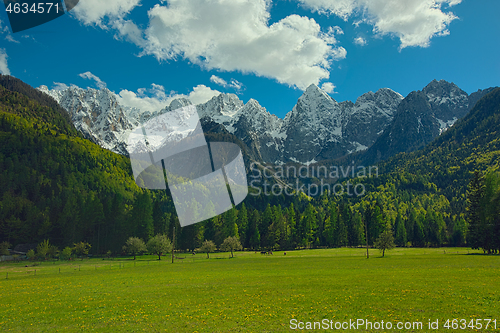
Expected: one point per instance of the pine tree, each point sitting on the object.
(475, 218)
(243, 224)
(418, 233)
(253, 230)
(399, 225)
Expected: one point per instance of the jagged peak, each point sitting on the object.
(388, 91)
(312, 87)
(441, 84)
(254, 102)
(365, 97)
(179, 103)
(314, 95)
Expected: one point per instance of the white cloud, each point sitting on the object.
(90, 76)
(234, 84)
(11, 39)
(128, 30)
(340, 8)
(234, 35)
(4, 68)
(60, 86)
(202, 94)
(5, 30)
(152, 99)
(218, 80)
(414, 22)
(155, 98)
(94, 11)
(360, 41)
(328, 87)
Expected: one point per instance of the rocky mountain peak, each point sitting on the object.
(317, 128)
(179, 103)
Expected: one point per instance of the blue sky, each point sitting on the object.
(149, 52)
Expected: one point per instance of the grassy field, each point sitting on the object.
(251, 292)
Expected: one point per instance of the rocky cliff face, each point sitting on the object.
(97, 114)
(421, 117)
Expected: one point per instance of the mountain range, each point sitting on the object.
(57, 185)
(318, 128)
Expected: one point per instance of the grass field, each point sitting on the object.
(251, 292)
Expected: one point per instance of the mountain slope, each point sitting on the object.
(96, 114)
(448, 163)
(421, 117)
(56, 185)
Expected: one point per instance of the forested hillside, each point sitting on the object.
(56, 185)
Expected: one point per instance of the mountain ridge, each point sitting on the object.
(318, 128)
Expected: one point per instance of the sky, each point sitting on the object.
(149, 52)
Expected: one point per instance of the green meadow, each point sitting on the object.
(253, 292)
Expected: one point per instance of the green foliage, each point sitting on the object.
(385, 240)
(4, 248)
(30, 254)
(81, 249)
(56, 185)
(134, 246)
(401, 236)
(159, 245)
(53, 251)
(207, 247)
(66, 253)
(42, 250)
(483, 212)
(231, 243)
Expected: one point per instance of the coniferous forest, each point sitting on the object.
(56, 185)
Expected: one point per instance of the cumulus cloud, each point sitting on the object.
(414, 22)
(328, 87)
(155, 98)
(227, 35)
(4, 68)
(360, 41)
(90, 76)
(91, 12)
(234, 84)
(234, 35)
(152, 99)
(202, 94)
(128, 30)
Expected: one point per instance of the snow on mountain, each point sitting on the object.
(321, 128)
(317, 128)
(447, 101)
(421, 117)
(370, 116)
(97, 114)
